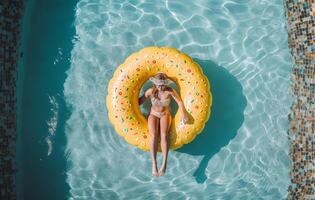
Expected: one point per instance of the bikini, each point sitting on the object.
(160, 102)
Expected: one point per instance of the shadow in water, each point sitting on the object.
(227, 116)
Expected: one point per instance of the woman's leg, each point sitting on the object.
(153, 123)
(165, 123)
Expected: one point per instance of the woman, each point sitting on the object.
(160, 117)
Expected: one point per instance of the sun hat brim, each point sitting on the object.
(160, 82)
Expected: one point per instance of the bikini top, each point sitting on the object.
(160, 102)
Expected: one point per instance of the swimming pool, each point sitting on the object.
(71, 51)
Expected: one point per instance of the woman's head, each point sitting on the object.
(160, 76)
(160, 82)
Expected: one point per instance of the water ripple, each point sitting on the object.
(248, 38)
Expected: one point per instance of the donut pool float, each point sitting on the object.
(129, 77)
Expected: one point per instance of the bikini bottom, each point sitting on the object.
(159, 114)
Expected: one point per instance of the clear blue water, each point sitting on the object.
(242, 48)
(46, 44)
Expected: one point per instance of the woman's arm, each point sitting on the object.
(180, 104)
(145, 96)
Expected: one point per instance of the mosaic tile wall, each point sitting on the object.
(10, 17)
(301, 31)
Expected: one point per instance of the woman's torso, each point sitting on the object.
(161, 104)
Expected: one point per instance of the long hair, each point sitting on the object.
(155, 91)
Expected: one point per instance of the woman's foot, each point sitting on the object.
(162, 171)
(155, 171)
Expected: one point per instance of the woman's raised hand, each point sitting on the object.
(185, 118)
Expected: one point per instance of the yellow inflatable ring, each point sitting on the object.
(124, 87)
